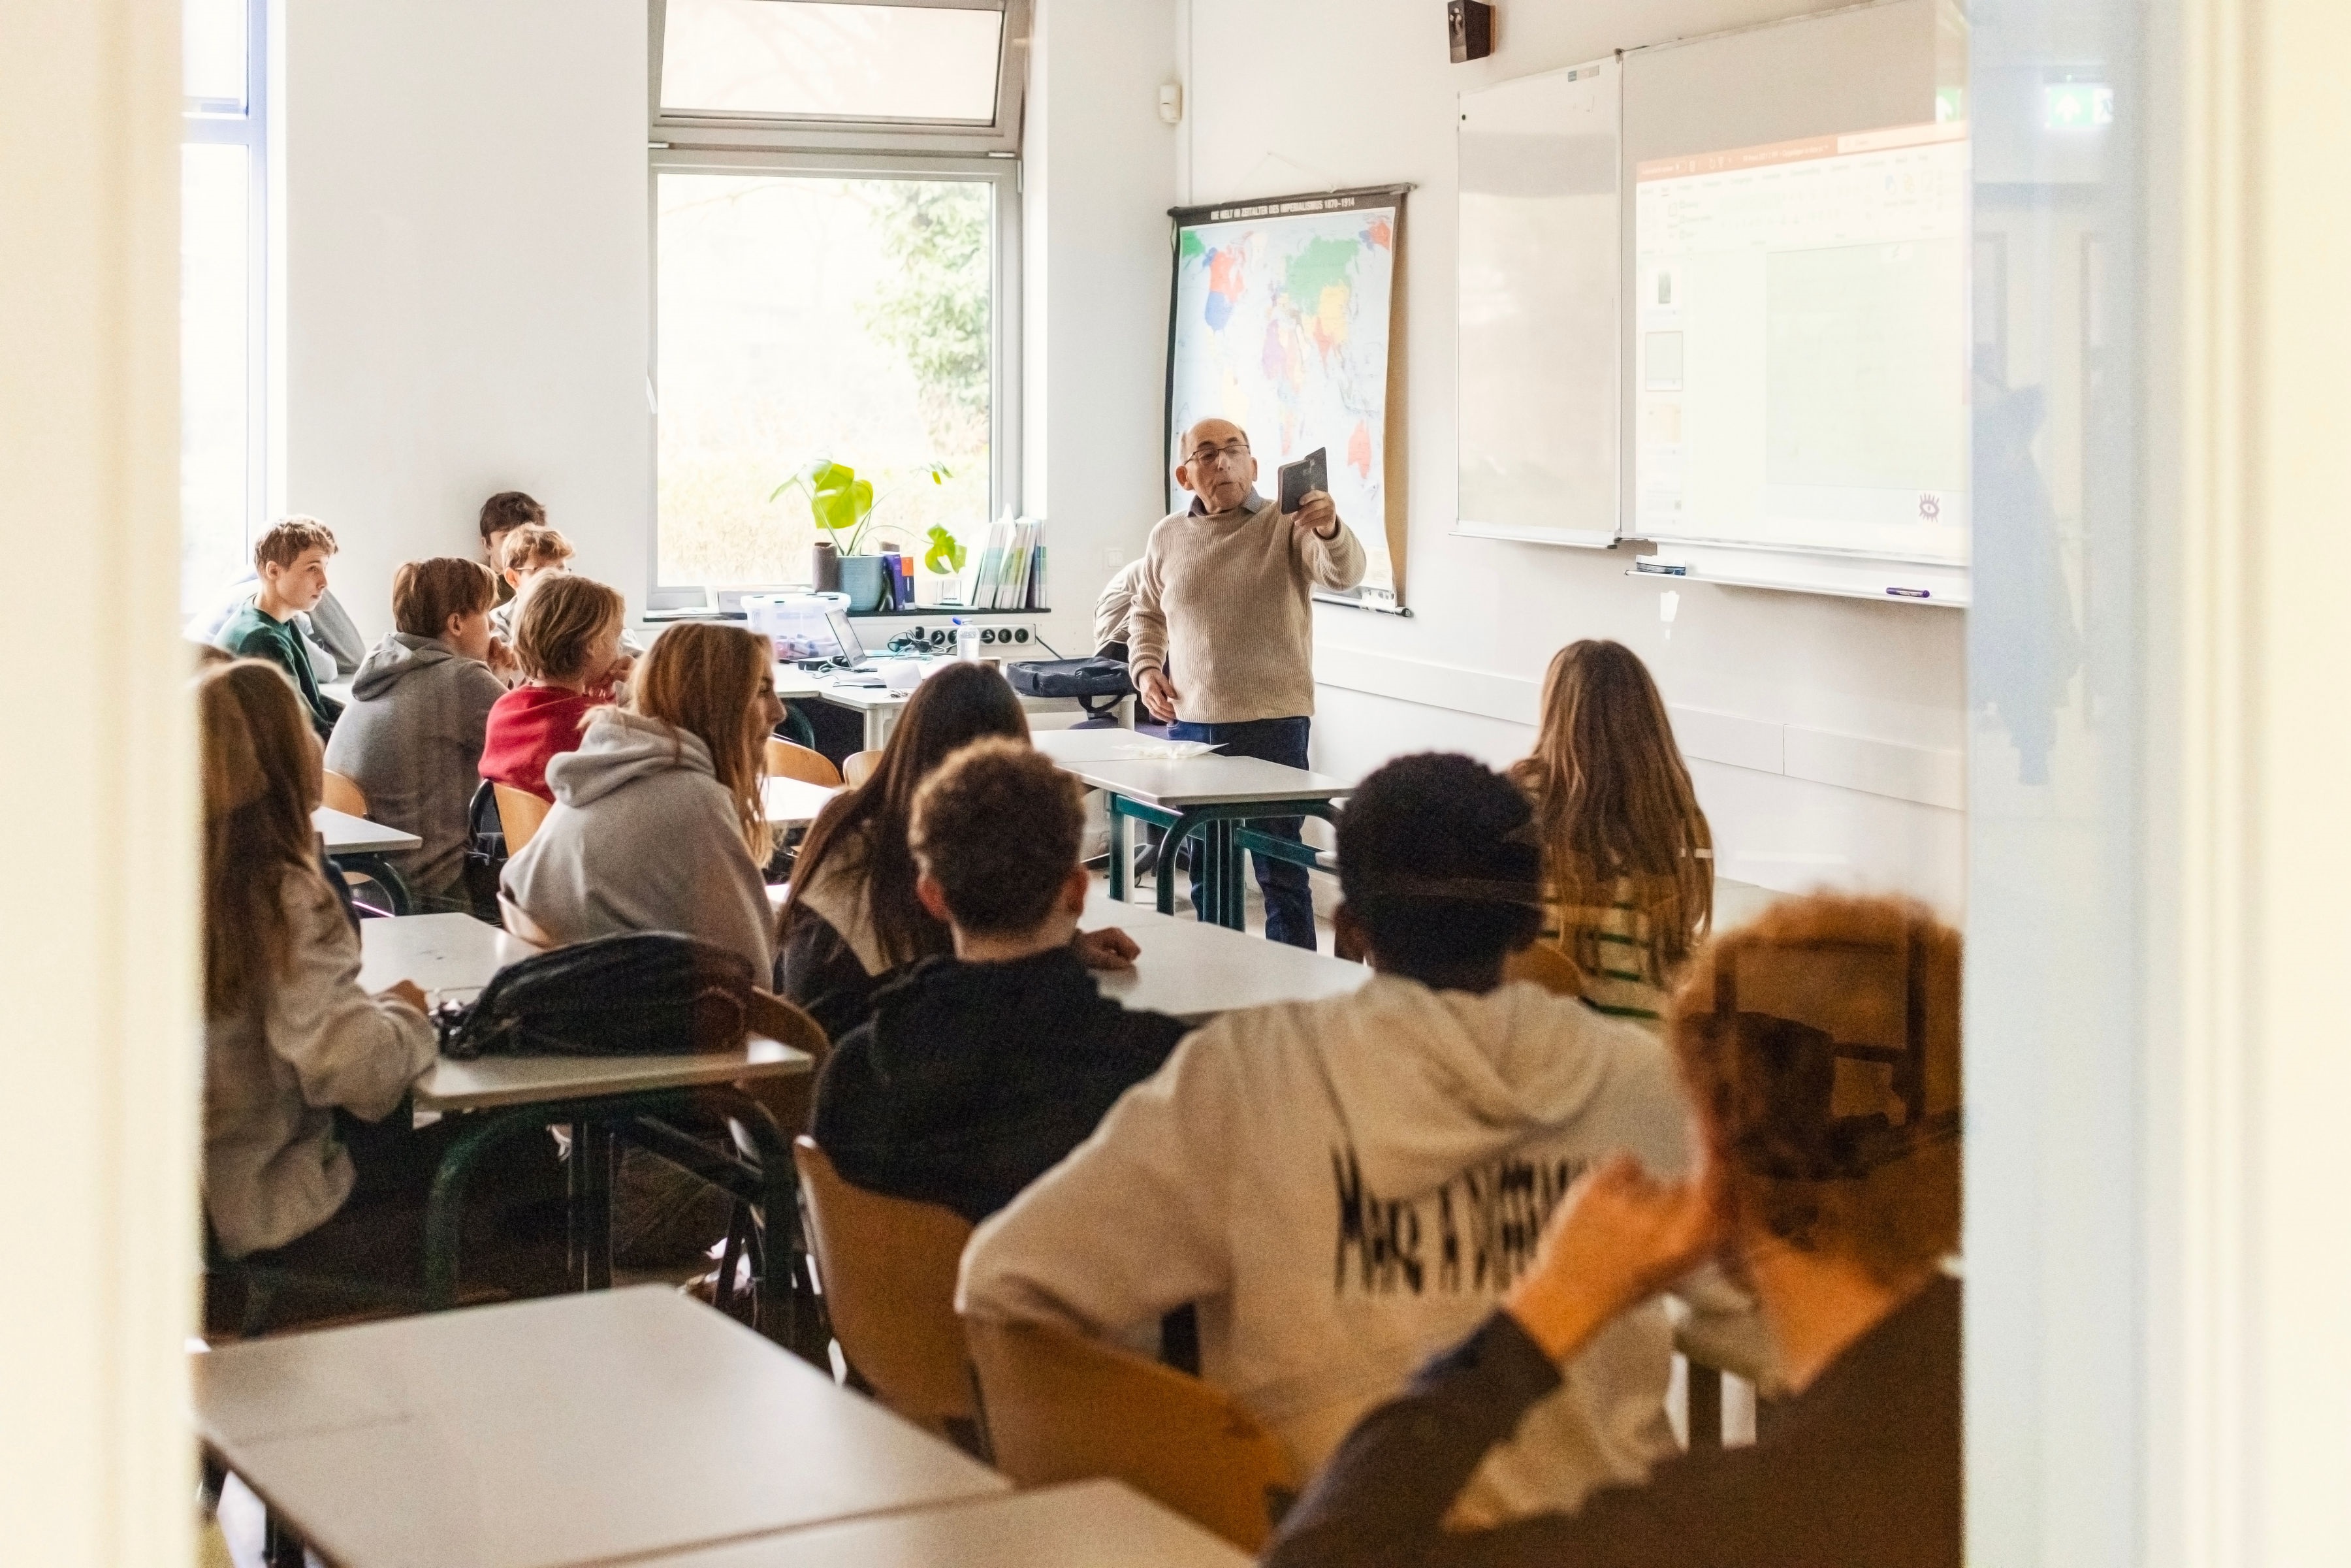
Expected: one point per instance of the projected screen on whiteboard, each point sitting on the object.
(1800, 367)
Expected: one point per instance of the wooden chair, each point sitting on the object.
(889, 1270)
(519, 814)
(342, 793)
(1058, 1407)
(786, 760)
(859, 765)
(1546, 966)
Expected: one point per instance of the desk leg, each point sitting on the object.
(394, 890)
(1169, 853)
(1122, 858)
(595, 1154)
(280, 1547)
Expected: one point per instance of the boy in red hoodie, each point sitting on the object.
(568, 640)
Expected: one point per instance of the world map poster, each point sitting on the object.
(1282, 315)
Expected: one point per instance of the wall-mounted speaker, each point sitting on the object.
(1471, 24)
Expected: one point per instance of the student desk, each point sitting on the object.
(604, 1098)
(357, 844)
(1086, 1524)
(879, 707)
(795, 802)
(546, 1434)
(1207, 795)
(1191, 970)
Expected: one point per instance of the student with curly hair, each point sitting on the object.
(1819, 1048)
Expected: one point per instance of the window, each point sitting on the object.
(224, 233)
(806, 316)
(943, 78)
(776, 59)
(836, 260)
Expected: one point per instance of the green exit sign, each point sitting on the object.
(2076, 105)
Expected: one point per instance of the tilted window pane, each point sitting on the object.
(213, 52)
(785, 57)
(806, 317)
(215, 343)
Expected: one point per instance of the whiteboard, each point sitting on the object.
(1542, 249)
(1796, 361)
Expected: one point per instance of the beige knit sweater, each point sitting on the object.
(1224, 604)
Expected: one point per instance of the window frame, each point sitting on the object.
(1002, 174)
(832, 133)
(202, 125)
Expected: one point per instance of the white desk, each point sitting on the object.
(879, 707)
(571, 1430)
(443, 954)
(455, 955)
(1205, 781)
(1191, 970)
(1070, 748)
(1085, 1524)
(348, 835)
(795, 802)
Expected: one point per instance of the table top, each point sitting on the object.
(575, 1430)
(441, 952)
(1086, 1524)
(454, 957)
(1207, 781)
(795, 802)
(1195, 970)
(1071, 746)
(348, 835)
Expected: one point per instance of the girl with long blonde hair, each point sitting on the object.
(1628, 859)
(290, 1040)
(659, 823)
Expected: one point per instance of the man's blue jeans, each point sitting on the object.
(1289, 900)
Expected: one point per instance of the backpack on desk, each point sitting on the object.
(643, 993)
(1099, 684)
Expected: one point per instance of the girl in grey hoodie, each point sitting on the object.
(659, 823)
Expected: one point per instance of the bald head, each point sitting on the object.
(1217, 465)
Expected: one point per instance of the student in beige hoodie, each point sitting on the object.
(303, 1070)
(1343, 1188)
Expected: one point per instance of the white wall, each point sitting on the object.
(98, 834)
(1099, 175)
(1791, 690)
(467, 278)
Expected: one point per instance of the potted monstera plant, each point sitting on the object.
(843, 507)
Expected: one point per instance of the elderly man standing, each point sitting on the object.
(1224, 597)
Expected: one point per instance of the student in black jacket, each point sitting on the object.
(977, 1072)
(1820, 1050)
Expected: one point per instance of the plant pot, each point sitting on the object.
(824, 566)
(870, 582)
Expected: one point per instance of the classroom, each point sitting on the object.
(1174, 782)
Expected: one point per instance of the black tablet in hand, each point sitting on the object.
(1303, 477)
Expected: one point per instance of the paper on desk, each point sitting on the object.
(1168, 750)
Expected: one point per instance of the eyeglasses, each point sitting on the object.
(1230, 452)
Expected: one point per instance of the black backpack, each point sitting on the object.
(1089, 681)
(645, 993)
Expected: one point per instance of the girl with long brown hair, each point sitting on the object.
(852, 915)
(659, 823)
(289, 1036)
(1628, 859)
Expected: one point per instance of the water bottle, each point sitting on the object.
(967, 642)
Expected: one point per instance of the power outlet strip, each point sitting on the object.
(997, 639)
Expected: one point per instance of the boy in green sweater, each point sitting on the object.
(291, 559)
